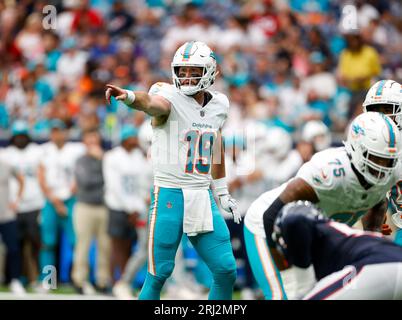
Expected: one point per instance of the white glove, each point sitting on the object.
(229, 204)
(226, 201)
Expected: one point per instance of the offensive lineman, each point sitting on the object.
(187, 155)
(385, 96)
(346, 183)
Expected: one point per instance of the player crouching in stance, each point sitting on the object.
(187, 155)
(347, 183)
(349, 264)
(385, 96)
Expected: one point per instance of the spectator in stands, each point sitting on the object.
(29, 40)
(85, 17)
(119, 20)
(71, 65)
(358, 65)
(319, 86)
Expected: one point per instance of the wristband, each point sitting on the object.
(220, 186)
(130, 97)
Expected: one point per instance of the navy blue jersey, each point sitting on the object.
(337, 245)
(330, 246)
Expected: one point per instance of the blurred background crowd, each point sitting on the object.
(282, 63)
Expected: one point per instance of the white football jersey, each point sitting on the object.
(59, 166)
(182, 147)
(26, 162)
(341, 196)
(127, 180)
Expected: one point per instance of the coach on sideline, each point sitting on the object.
(90, 216)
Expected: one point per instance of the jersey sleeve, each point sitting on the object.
(319, 174)
(225, 108)
(162, 89)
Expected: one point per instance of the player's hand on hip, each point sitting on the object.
(114, 91)
(229, 204)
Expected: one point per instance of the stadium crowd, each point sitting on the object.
(294, 71)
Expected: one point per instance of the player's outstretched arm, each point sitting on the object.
(153, 105)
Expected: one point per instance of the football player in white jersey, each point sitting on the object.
(24, 157)
(385, 96)
(347, 183)
(56, 179)
(187, 155)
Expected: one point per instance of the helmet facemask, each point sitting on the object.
(374, 172)
(194, 54)
(196, 83)
(392, 110)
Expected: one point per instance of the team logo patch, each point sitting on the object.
(358, 130)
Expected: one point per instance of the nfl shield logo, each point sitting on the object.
(169, 205)
(202, 113)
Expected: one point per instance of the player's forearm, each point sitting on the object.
(269, 217)
(375, 218)
(296, 189)
(218, 171)
(151, 105)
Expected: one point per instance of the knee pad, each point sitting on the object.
(164, 270)
(226, 267)
(228, 263)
